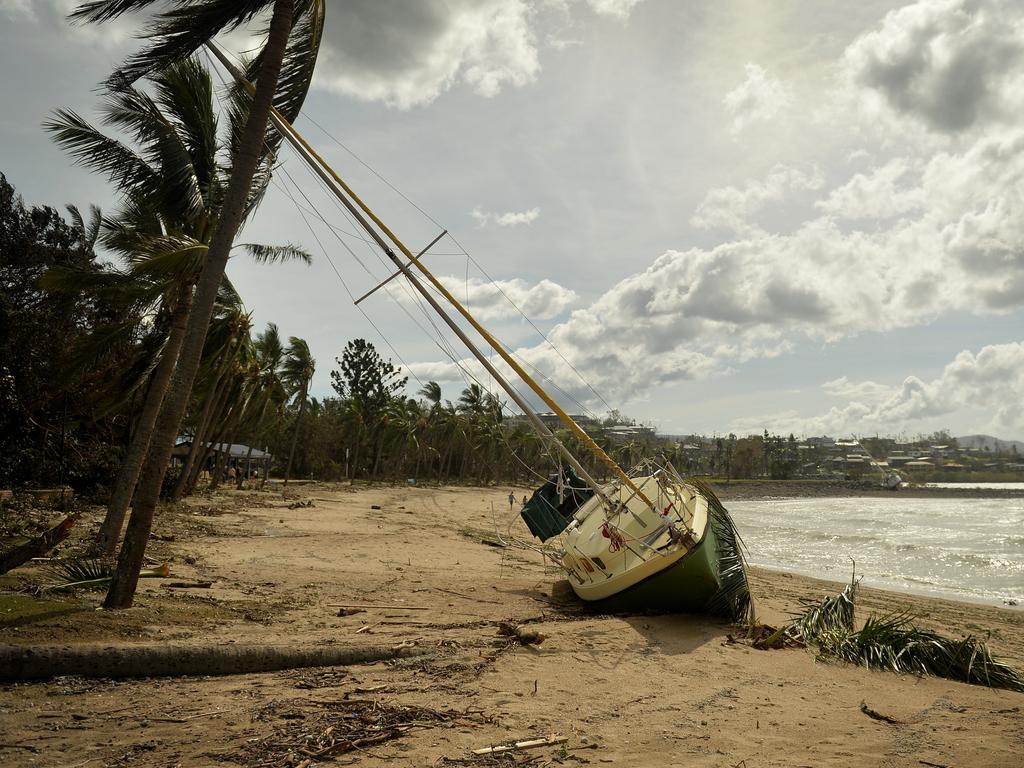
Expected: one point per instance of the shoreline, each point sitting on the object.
(895, 591)
(761, 489)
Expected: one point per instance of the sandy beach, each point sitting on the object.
(623, 690)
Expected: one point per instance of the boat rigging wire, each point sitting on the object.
(465, 252)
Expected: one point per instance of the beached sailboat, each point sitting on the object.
(646, 540)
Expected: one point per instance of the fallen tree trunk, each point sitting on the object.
(38, 546)
(45, 662)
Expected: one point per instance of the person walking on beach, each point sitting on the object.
(511, 500)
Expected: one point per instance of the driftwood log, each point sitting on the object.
(45, 662)
(37, 547)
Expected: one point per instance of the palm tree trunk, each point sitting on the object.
(129, 563)
(212, 430)
(295, 436)
(127, 477)
(185, 480)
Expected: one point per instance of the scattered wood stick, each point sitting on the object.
(528, 744)
(469, 597)
(875, 715)
(187, 585)
(37, 547)
(385, 607)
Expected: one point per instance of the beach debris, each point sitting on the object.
(375, 506)
(764, 637)
(876, 715)
(520, 634)
(350, 611)
(187, 585)
(377, 606)
(331, 728)
(92, 573)
(546, 741)
(38, 546)
(301, 504)
(895, 643)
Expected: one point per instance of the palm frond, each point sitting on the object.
(106, 10)
(732, 600)
(893, 642)
(163, 146)
(834, 614)
(80, 569)
(185, 93)
(271, 254)
(92, 149)
(179, 31)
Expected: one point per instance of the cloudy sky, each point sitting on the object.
(800, 215)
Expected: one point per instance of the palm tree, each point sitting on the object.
(289, 54)
(173, 185)
(431, 391)
(297, 371)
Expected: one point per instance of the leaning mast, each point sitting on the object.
(360, 211)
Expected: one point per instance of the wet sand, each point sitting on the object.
(646, 690)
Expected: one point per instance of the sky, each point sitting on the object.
(804, 216)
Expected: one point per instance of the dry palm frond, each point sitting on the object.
(732, 600)
(892, 642)
(832, 615)
(91, 573)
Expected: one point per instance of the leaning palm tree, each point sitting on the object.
(287, 58)
(172, 181)
(297, 371)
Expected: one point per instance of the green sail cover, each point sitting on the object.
(546, 514)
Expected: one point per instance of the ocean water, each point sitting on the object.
(994, 486)
(965, 549)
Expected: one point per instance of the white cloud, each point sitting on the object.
(949, 65)
(957, 247)
(731, 207)
(406, 55)
(987, 383)
(507, 219)
(759, 97)
(492, 300)
(619, 9)
(877, 194)
(17, 8)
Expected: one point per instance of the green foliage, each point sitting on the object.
(50, 431)
(81, 569)
(893, 642)
(365, 377)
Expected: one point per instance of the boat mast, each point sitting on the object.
(333, 181)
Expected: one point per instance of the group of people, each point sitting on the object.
(231, 474)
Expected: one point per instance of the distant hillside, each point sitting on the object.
(993, 444)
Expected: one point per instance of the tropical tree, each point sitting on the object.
(172, 184)
(297, 371)
(289, 54)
